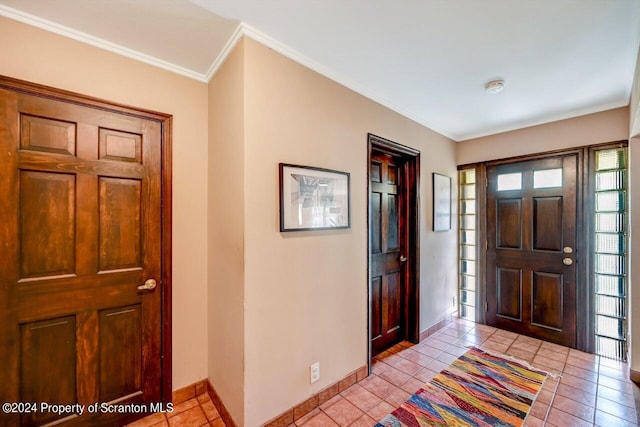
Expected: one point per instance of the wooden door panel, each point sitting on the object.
(48, 135)
(376, 308)
(47, 224)
(547, 300)
(375, 174)
(120, 223)
(49, 377)
(392, 241)
(509, 293)
(392, 302)
(120, 146)
(82, 217)
(547, 223)
(391, 173)
(375, 203)
(121, 371)
(509, 223)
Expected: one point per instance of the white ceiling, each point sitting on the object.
(427, 59)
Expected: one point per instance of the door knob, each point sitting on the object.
(149, 285)
(567, 250)
(403, 258)
(567, 261)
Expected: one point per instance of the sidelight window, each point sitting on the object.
(610, 253)
(467, 259)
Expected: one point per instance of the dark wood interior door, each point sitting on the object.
(531, 248)
(388, 259)
(80, 232)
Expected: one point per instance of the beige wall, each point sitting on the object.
(306, 292)
(607, 126)
(226, 233)
(634, 211)
(31, 54)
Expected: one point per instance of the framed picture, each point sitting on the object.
(313, 198)
(441, 202)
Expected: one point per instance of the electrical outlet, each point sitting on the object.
(314, 370)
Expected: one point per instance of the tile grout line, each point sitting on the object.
(555, 390)
(553, 397)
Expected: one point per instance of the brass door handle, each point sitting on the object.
(567, 261)
(149, 285)
(403, 258)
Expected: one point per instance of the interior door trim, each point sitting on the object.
(411, 169)
(166, 122)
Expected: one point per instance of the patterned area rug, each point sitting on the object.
(477, 389)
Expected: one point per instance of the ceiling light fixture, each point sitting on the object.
(494, 86)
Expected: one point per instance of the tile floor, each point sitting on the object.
(196, 412)
(587, 391)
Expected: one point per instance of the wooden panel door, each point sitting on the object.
(387, 254)
(531, 248)
(80, 231)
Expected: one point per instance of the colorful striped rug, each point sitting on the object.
(477, 389)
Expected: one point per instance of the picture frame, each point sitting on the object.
(441, 202)
(313, 198)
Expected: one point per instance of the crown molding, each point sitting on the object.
(62, 30)
(305, 61)
(226, 50)
(243, 29)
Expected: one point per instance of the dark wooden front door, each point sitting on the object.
(531, 248)
(80, 232)
(387, 253)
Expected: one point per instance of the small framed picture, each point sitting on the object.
(441, 202)
(313, 198)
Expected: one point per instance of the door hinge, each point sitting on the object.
(486, 306)
(486, 245)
